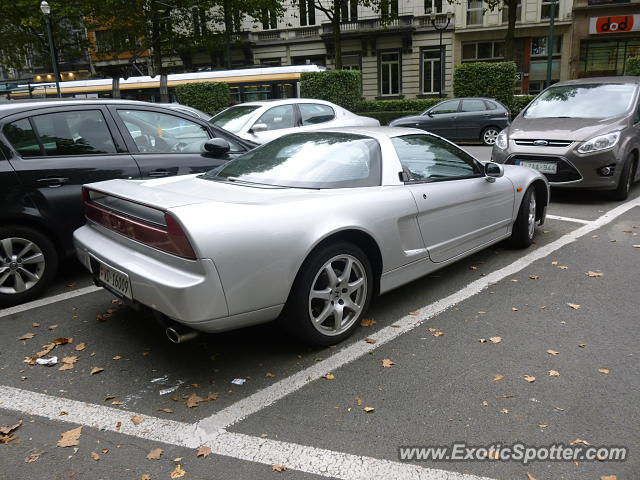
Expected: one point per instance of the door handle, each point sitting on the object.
(53, 181)
(159, 173)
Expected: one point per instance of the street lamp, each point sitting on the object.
(551, 39)
(440, 23)
(46, 11)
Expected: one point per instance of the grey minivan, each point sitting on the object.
(580, 133)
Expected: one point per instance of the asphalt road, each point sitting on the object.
(440, 389)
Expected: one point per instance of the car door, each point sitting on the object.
(458, 209)
(55, 151)
(472, 118)
(441, 119)
(273, 123)
(166, 143)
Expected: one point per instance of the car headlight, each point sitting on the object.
(501, 140)
(599, 143)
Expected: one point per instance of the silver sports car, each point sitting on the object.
(306, 229)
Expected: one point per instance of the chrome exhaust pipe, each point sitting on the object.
(180, 334)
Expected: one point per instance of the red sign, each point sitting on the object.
(617, 24)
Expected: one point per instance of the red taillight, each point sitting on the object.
(170, 238)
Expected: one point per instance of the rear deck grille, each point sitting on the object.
(565, 173)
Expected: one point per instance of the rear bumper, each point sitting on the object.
(193, 296)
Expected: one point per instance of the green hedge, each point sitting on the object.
(518, 103)
(416, 104)
(342, 87)
(484, 79)
(385, 117)
(633, 66)
(210, 97)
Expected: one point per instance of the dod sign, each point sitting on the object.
(614, 24)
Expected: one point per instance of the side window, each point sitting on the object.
(314, 113)
(155, 132)
(425, 158)
(490, 105)
(277, 118)
(446, 107)
(79, 132)
(22, 138)
(473, 106)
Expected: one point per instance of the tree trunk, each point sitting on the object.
(335, 23)
(228, 30)
(509, 39)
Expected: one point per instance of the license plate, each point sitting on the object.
(543, 167)
(116, 280)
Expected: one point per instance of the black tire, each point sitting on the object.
(626, 179)
(11, 293)
(489, 135)
(297, 314)
(522, 233)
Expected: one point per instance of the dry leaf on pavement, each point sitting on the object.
(579, 441)
(329, 376)
(367, 322)
(81, 346)
(145, 476)
(370, 340)
(498, 377)
(604, 370)
(414, 313)
(495, 339)
(137, 420)
(95, 456)
(534, 277)
(609, 477)
(203, 451)
(32, 458)
(278, 468)
(594, 274)
(485, 404)
(514, 309)
(387, 363)
(155, 454)
(563, 267)
(504, 410)
(529, 378)
(359, 401)
(554, 373)
(178, 472)
(62, 340)
(530, 477)
(575, 306)
(70, 438)
(553, 352)
(8, 430)
(368, 409)
(27, 336)
(95, 370)
(165, 410)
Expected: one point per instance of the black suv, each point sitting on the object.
(49, 149)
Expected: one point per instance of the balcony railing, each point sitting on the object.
(369, 24)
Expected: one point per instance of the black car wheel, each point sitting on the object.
(28, 262)
(489, 136)
(626, 179)
(524, 227)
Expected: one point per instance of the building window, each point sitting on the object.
(505, 12)
(607, 57)
(389, 8)
(432, 6)
(545, 13)
(269, 20)
(307, 13)
(472, 52)
(431, 71)
(351, 62)
(349, 10)
(389, 74)
(539, 46)
(475, 11)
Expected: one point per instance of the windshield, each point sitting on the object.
(234, 118)
(307, 160)
(582, 101)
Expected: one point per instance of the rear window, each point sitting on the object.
(234, 118)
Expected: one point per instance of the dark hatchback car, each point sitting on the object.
(461, 119)
(49, 149)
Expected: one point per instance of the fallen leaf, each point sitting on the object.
(604, 370)
(32, 458)
(278, 468)
(485, 404)
(137, 420)
(473, 268)
(145, 476)
(203, 451)
(582, 345)
(529, 378)
(579, 440)
(111, 396)
(534, 277)
(35, 325)
(359, 401)
(70, 438)
(27, 336)
(514, 309)
(636, 246)
(387, 363)
(594, 274)
(482, 340)
(329, 376)
(553, 352)
(370, 340)
(95, 456)
(504, 396)
(498, 377)
(543, 425)
(575, 306)
(105, 450)
(178, 472)
(367, 322)
(555, 262)
(95, 370)
(609, 477)
(554, 373)
(495, 339)
(530, 477)
(155, 454)
(117, 357)
(394, 325)
(368, 409)
(53, 327)
(212, 396)
(504, 410)
(563, 267)
(482, 313)
(269, 375)
(514, 280)
(165, 410)
(81, 346)
(62, 340)
(437, 334)
(414, 313)
(117, 403)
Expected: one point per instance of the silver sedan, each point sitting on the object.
(306, 229)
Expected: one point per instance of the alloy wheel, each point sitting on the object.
(338, 293)
(489, 136)
(531, 220)
(22, 265)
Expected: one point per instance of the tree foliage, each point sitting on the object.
(483, 79)
(342, 87)
(633, 66)
(210, 97)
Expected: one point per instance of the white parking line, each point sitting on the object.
(569, 219)
(48, 300)
(313, 460)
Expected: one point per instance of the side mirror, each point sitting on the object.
(259, 127)
(217, 146)
(492, 171)
(429, 114)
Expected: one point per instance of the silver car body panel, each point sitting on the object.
(250, 242)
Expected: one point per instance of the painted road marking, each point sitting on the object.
(48, 300)
(313, 460)
(569, 219)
